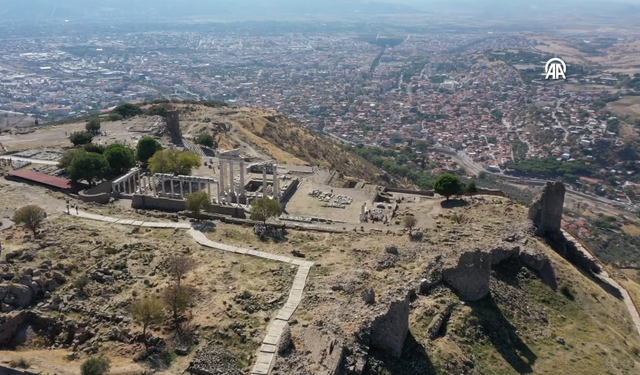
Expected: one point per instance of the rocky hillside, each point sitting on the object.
(280, 138)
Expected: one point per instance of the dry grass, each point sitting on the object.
(632, 230)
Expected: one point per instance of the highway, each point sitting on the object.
(470, 166)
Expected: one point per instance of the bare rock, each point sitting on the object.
(285, 339)
(470, 277)
(436, 324)
(369, 296)
(21, 294)
(391, 250)
(10, 324)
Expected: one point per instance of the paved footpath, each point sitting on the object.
(268, 349)
(604, 275)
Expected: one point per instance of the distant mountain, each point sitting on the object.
(58, 9)
(343, 9)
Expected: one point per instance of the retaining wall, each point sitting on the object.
(426, 193)
(142, 202)
(101, 198)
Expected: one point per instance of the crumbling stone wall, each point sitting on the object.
(391, 324)
(546, 210)
(470, 277)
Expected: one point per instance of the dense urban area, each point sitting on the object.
(482, 95)
(276, 198)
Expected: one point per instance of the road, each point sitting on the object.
(471, 167)
(34, 161)
(553, 114)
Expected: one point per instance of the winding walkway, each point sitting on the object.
(268, 349)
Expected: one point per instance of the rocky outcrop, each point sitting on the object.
(390, 323)
(546, 210)
(10, 324)
(470, 276)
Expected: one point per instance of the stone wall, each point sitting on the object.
(470, 276)
(426, 193)
(546, 210)
(142, 202)
(232, 211)
(101, 198)
(391, 324)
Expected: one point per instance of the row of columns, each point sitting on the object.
(160, 181)
(222, 186)
(130, 184)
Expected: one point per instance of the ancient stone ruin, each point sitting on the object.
(470, 276)
(546, 210)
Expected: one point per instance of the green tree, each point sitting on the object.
(127, 110)
(147, 311)
(80, 138)
(120, 158)
(205, 140)
(265, 208)
(92, 147)
(177, 298)
(147, 146)
(114, 117)
(448, 185)
(174, 162)
(67, 158)
(88, 166)
(198, 201)
(471, 188)
(157, 110)
(31, 217)
(96, 366)
(409, 222)
(93, 125)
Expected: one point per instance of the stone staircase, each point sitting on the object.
(193, 147)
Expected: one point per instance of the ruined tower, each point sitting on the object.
(546, 210)
(173, 123)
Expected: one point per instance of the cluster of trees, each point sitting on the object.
(550, 168)
(94, 163)
(394, 163)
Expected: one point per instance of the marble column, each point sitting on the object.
(264, 181)
(190, 187)
(209, 190)
(276, 182)
(221, 183)
(242, 192)
(181, 191)
(171, 182)
(232, 185)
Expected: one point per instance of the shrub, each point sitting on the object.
(31, 217)
(96, 366)
(20, 363)
(81, 282)
(80, 138)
